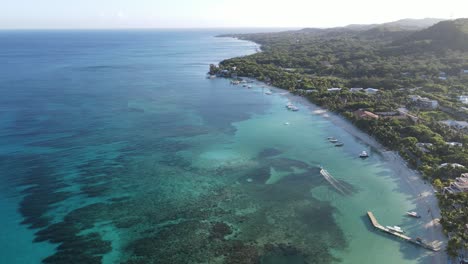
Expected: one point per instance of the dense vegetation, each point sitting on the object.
(398, 60)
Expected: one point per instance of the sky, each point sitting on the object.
(96, 14)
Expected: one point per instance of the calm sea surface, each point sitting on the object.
(115, 148)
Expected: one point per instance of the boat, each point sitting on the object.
(211, 77)
(292, 107)
(363, 154)
(339, 144)
(268, 93)
(333, 140)
(287, 123)
(395, 229)
(413, 214)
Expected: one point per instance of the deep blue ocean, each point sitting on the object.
(116, 148)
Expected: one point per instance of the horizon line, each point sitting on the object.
(149, 28)
(207, 28)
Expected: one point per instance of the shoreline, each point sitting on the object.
(422, 192)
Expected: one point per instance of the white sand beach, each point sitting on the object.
(422, 192)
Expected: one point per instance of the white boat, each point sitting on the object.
(333, 140)
(268, 93)
(363, 154)
(291, 107)
(249, 86)
(339, 144)
(287, 123)
(413, 214)
(395, 229)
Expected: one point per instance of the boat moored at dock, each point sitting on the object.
(395, 229)
(416, 241)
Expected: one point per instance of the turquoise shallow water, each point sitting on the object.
(115, 148)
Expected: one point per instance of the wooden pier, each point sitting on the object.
(418, 242)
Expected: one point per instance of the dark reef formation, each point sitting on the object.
(235, 218)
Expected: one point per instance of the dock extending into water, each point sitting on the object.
(417, 242)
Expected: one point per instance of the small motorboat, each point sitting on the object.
(339, 144)
(268, 93)
(395, 229)
(363, 154)
(333, 140)
(286, 123)
(413, 214)
(292, 107)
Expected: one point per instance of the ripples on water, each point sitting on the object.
(112, 165)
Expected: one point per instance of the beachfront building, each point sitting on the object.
(453, 165)
(463, 99)
(424, 147)
(305, 91)
(362, 114)
(459, 185)
(354, 90)
(454, 144)
(391, 115)
(405, 112)
(463, 73)
(371, 91)
(442, 76)
(423, 102)
(457, 125)
(334, 89)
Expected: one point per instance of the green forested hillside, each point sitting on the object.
(442, 36)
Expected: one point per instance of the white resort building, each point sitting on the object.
(459, 185)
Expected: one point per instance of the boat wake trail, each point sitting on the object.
(334, 182)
